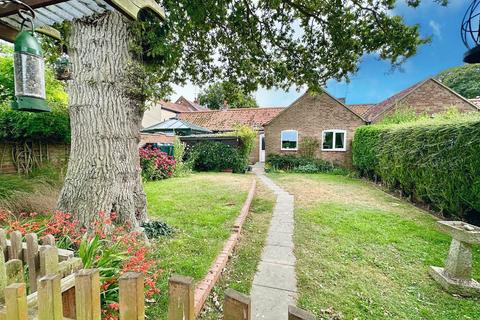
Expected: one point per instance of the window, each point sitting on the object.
(334, 140)
(289, 139)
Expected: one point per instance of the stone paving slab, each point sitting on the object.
(283, 239)
(275, 285)
(274, 304)
(275, 275)
(286, 227)
(278, 254)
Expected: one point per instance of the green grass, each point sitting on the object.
(242, 266)
(202, 208)
(37, 191)
(363, 254)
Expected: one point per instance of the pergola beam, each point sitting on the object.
(7, 33)
(12, 8)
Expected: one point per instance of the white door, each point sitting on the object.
(262, 147)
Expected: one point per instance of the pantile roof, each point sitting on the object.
(360, 109)
(175, 107)
(226, 120)
(377, 109)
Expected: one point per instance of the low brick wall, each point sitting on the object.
(21, 157)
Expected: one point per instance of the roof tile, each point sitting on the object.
(226, 120)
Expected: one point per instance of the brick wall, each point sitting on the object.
(15, 157)
(310, 116)
(430, 98)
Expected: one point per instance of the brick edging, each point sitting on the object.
(205, 286)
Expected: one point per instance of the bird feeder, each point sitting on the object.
(470, 32)
(29, 72)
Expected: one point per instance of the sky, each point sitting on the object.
(375, 80)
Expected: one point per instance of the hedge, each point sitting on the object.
(23, 126)
(216, 156)
(435, 162)
(299, 164)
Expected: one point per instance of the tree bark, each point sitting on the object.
(104, 168)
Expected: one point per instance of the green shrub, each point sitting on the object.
(300, 164)
(216, 156)
(434, 161)
(45, 126)
(182, 167)
(309, 147)
(248, 136)
(156, 229)
(308, 168)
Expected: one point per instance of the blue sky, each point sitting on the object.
(375, 80)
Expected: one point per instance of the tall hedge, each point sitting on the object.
(436, 162)
(25, 126)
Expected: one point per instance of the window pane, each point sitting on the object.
(328, 140)
(289, 139)
(339, 136)
(263, 142)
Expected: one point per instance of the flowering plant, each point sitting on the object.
(156, 164)
(109, 248)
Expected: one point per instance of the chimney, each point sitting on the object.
(225, 105)
(342, 100)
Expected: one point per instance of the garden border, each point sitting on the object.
(205, 286)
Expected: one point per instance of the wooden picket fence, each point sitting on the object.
(236, 306)
(43, 259)
(59, 289)
(131, 300)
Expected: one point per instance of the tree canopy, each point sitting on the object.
(271, 43)
(216, 94)
(464, 80)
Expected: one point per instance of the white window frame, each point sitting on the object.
(335, 131)
(281, 140)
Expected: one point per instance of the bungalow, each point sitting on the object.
(225, 120)
(333, 123)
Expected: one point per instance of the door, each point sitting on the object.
(262, 147)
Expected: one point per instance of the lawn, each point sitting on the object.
(363, 254)
(242, 266)
(202, 208)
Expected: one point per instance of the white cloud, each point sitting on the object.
(436, 28)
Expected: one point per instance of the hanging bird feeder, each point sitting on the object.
(470, 32)
(29, 68)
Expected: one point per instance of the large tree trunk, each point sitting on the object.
(103, 171)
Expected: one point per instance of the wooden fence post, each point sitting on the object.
(14, 270)
(16, 301)
(50, 298)
(48, 240)
(87, 294)
(132, 296)
(180, 298)
(48, 260)
(3, 243)
(15, 249)
(295, 313)
(237, 306)
(33, 261)
(3, 277)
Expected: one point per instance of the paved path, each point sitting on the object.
(275, 286)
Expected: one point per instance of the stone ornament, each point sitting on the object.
(456, 277)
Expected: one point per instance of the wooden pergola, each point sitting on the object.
(50, 12)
